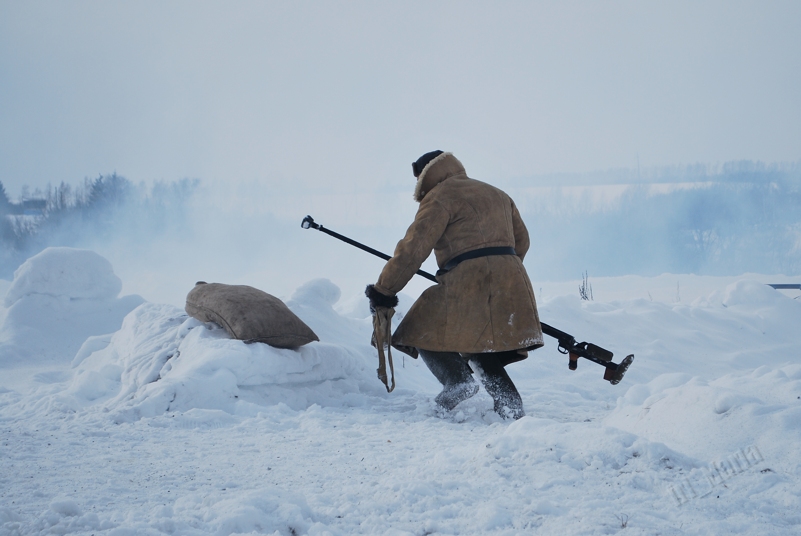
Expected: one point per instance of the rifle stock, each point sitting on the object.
(567, 343)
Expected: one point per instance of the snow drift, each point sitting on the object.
(57, 299)
(161, 361)
(183, 430)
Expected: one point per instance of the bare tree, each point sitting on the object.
(585, 289)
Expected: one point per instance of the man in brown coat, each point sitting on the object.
(482, 315)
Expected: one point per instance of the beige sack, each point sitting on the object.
(248, 314)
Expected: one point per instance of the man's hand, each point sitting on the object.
(377, 299)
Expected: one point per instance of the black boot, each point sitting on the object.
(453, 373)
(508, 403)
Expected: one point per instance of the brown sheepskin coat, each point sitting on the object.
(482, 305)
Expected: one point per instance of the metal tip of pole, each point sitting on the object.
(308, 222)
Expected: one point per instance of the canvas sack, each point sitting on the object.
(248, 314)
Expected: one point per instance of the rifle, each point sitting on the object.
(567, 343)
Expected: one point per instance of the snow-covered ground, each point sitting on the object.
(159, 424)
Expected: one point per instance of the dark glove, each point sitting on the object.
(378, 299)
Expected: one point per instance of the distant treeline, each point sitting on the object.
(741, 217)
(106, 208)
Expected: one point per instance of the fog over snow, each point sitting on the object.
(742, 217)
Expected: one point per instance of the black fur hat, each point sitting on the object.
(417, 167)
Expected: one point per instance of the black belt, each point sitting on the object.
(476, 253)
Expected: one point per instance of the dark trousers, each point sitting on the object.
(454, 372)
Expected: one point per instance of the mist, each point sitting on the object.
(593, 116)
(706, 220)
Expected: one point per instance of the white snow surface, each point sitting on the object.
(57, 299)
(64, 273)
(163, 425)
(163, 361)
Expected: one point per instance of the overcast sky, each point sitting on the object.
(344, 95)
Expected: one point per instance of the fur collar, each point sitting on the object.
(426, 181)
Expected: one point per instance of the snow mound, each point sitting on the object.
(314, 303)
(65, 273)
(567, 443)
(267, 511)
(162, 360)
(730, 413)
(736, 381)
(58, 299)
(775, 312)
